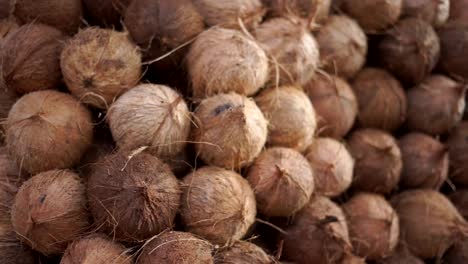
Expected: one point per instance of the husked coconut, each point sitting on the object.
(243, 252)
(458, 253)
(458, 151)
(12, 251)
(106, 12)
(401, 255)
(10, 181)
(320, 9)
(435, 12)
(460, 200)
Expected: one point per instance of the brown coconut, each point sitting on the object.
(291, 116)
(335, 103)
(425, 161)
(302, 8)
(400, 256)
(7, 25)
(283, 181)
(12, 251)
(6, 8)
(106, 12)
(429, 223)
(382, 100)
(436, 105)
(98, 65)
(459, 11)
(319, 234)
(230, 131)
(10, 181)
(343, 46)
(332, 165)
(30, 58)
(454, 46)
(7, 100)
(225, 60)
(378, 160)
(458, 150)
(410, 50)
(50, 210)
(458, 253)
(460, 199)
(293, 52)
(133, 197)
(48, 130)
(217, 204)
(243, 252)
(436, 12)
(351, 259)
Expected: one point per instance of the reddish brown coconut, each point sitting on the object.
(50, 211)
(225, 60)
(106, 12)
(7, 100)
(436, 105)
(458, 253)
(351, 259)
(132, 196)
(243, 252)
(7, 25)
(230, 131)
(378, 161)
(382, 100)
(217, 204)
(454, 46)
(283, 181)
(12, 251)
(460, 199)
(335, 103)
(302, 8)
(10, 181)
(459, 11)
(98, 65)
(332, 165)
(435, 12)
(48, 130)
(400, 256)
(458, 150)
(425, 161)
(6, 8)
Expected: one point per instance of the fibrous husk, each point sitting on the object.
(48, 130)
(320, 9)
(400, 256)
(436, 12)
(132, 196)
(217, 204)
(106, 12)
(458, 253)
(10, 181)
(243, 252)
(12, 251)
(98, 65)
(454, 46)
(459, 11)
(7, 25)
(7, 100)
(460, 199)
(351, 259)
(458, 151)
(283, 181)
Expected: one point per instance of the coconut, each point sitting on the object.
(48, 130)
(351, 259)
(12, 251)
(225, 60)
(10, 181)
(293, 51)
(436, 105)
(343, 46)
(435, 12)
(458, 253)
(429, 223)
(98, 65)
(332, 165)
(230, 131)
(335, 103)
(382, 100)
(6, 8)
(7, 25)
(30, 58)
(460, 199)
(291, 116)
(7, 100)
(425, 161)
(459, 11)
(378, 161)
(217, 204)
(243, 252)
(176, 247)
(283, 181)
(454, 47)
(106, 12)
(319, 234)
(410, 50)
(401, 255)
(132, 196)
(302, 8)
(458, 149)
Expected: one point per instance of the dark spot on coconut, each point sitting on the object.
(42, 198)
(222, 108)
(88, 82)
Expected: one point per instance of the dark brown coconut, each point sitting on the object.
(335, 103)
(351, 259)
(7, 25)
(48, 130)
(98, 65)
(458, 253)
(243, 252)
(454, 47)
(176, 247)
(6, 8)
(217, 204)
(410, 50)
(230, 131)
(435, 12)
(378, 161)
(425, 161)
(400, 256)
(12, 251)
(7, 100)
(106, 12)
(50, 211)
(225, 60)
(30, 58)
(283, 181)
(291, 116)
(429, 223)
(459, 11)
(458, 150)
(133, 197)
(460, 199)
(301, 8)
(10, 181)
(382, 100)
(436, 105)
(343, 46)
(332, 165)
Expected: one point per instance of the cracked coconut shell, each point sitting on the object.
(436, 12)
(12, 251)
(320, 9)
(243, 252)
(458, 151)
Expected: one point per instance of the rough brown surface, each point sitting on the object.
(435, 12)
(106, 12)
(243, 252)
(401, 255)
(10, 181)
(458, 253)
(12, 251)
(460, 199)
(301, 8)
(454, 47)
(459, 11)
(458, 151)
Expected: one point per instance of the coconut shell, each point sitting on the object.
(225, 60)
(12, 251)
(382, 100)
(301, 8)
(230, 131)
(133, 197)
(335, 103)
(98, 65)
(217, 204)
(378, 159)
(401, 255)
(458, 150)
(425, 162)
(283, 181)
(332, 165)
(436, 105)
(460, 199)
(291, 116)
(458, 253)
(243, 252)
(106, 12)
(436, 12)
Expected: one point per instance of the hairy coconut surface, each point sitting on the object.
(401, 255)
(351, 259)
(302, 8)
(10, 181)
(225, 60)
(133, 197)
(7, 25)
(230, 131)
(458, 253)
(459, 11)
(98, 65)
(458, 151)
(217, 204)
(243, 252)
(106, 12)
(435, 12)
(7, 100)
(12, 251)
(460, 199)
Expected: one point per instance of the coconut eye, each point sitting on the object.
(222, 108)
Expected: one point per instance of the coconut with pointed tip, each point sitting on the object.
(435, 12)
(458, 151)
(106, 12)
(460, 199)
(243, 252)
(302, 8)
(12, 251)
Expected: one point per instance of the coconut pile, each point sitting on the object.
(233, 132)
